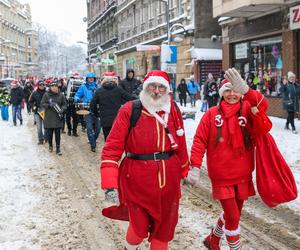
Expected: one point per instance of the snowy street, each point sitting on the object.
(54, 202)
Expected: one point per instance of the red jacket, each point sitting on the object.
(226, 167)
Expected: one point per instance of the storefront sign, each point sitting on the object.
(295, 17)
(241, 51)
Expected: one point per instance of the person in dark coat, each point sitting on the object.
(250, 82)
(182, 89)
(54, 104)
(35, 102)
(212, 94)
(130, 84)
(28, 89)
(16, 97)
(291, 93)
(107, 101)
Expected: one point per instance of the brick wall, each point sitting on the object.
(289, 51)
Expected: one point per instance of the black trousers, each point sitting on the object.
(50, 132)
(71, 115)
(290, 119)
(106, 131)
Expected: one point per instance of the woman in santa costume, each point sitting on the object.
(226, 134)
(148, 177)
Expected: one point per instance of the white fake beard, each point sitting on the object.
(155, 105)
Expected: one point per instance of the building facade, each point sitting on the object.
(17, 40)
(145, 23)
(261, 39)
(102, 35)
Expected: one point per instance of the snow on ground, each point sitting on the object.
(19, 156)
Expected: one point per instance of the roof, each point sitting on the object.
(206, 54)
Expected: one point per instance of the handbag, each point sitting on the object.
(274, 179)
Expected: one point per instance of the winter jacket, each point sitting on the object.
(291, 91)
(4, 96)
(87, 90)
(130, 84)
(212, 95)
(182, 89)
(225, 166)
(16, 96)
(28, 89)
(107, 101)
(52, 119)
(36, 98)
(193, 87)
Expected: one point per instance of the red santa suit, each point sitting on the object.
(150, 188)
(229, 162)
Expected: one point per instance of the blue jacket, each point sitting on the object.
(193, 87)
(87, 90)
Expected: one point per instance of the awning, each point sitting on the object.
(201, 54)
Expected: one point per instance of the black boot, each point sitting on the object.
(58, 152)
(69, 133)
(75, 134)
(50, 148)
(286, 126)
(40, 142)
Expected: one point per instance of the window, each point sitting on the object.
(155, 62)
(180, 7)
(29, 41)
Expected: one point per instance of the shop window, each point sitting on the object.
(155, 62)
(129, 63)
(261, 60)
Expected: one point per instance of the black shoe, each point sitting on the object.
(93, 149)
(69, 133)
(50, 149)
(45, 141)
(40, 143)
(15, 124)
(75, 134)
(21, 122)
(63, 132)
(58, 152)
(286, 126)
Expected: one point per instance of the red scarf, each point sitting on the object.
(231, 112)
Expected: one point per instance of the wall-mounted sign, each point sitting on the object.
(241, 51)
(295, 17)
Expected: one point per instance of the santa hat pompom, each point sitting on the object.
(224, 85)
(180, 132)
(109, 77)
(157, 76)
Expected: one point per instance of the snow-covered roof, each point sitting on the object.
(206, 54)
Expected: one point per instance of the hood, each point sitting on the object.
(90, 75)
(128, 71)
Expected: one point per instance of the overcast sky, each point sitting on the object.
(64, 17)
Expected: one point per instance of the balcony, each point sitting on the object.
(245, 8)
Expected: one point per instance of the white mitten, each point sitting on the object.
(193, 176)
(112, 195)
(234, 77)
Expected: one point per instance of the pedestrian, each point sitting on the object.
(28, 89)
(193, 88)
(16, 97)
(55, 105)
(35, 102)
(4, 102)
(291, 93)
(212, 94)
(85, 94)
(130, 83)
(107, 101)
(204, 105)
(182, 89)
(226, 134)
(148, 178)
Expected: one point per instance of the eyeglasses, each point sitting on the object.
(161, 87)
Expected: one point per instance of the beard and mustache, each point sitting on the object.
(155, 102)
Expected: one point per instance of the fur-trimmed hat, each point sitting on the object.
(290, 74)
(109, 77)
(157, 76)
(224, 85)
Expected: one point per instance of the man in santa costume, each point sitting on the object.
(226, 134)
(148, 177)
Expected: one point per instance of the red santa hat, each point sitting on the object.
(14, 84)
(157, 76)
(224, 85)
(109, 77)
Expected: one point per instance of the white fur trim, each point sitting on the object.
(222, 217)
(232, 232)
(225, 87)
(131, 247)
(156, 79)
(180, 132)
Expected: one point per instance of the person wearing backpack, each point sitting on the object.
(147, 181)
